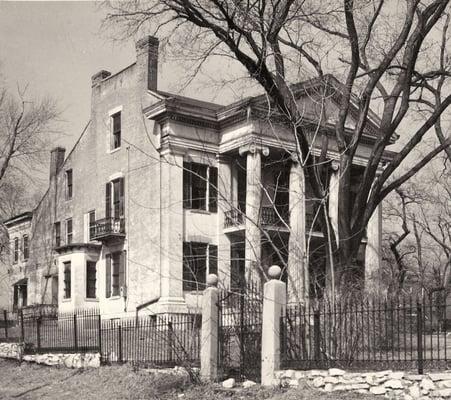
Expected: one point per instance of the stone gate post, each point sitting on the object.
(209, 331)
(274, 302)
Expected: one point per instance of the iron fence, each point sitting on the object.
(150, 340)
(407, 334)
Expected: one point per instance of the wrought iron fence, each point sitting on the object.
(151, 340)
(407, 334)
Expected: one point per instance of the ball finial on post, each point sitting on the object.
(212, 280)
(274, 272)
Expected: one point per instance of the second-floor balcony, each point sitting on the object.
(269, 217)
(107, 228)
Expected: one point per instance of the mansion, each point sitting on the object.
(161, 190)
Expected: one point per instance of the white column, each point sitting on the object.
(171, 233)
(298, 278)
(234, 177)
(373, 252)
(224, 205)
(253, 248)
(209, 333)
(274, 302)
(333, 196)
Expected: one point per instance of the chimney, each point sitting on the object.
(147, 60)
(99, 77)
(56, 160)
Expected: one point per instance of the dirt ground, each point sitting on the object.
(30, 381)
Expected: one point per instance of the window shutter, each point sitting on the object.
(186, 185)
(121, 197)
(16, 296)
(212, 259)
(108, 200)
(213, 190)
(108, 276)
(122, 269)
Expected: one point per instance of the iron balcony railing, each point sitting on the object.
(233, 218)
(107, 227)
(268, 217)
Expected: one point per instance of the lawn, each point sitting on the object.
(30, 381)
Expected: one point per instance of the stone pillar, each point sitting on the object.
(209, 333)
(171, 233)
(253, 247)
(298, 278)
(224, 205)
(333, 196)
(274, 302)
(373, 252)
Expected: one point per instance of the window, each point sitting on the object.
(69, 231)
(91, 280)
(26, 251)
(92, 224)
(199, 260)
(67, 280)
(20, 294)
(115, 199)
(200, 187)
(69, 184)
(16, 249)
(57, 233)
(115, 273)
(116, 131)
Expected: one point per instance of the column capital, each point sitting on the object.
(254, 148)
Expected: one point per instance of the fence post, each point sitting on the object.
(170, 340)
(316, 335)
(420, 337)
(5, 317)
(99, 333)
(22, 328)
(75, 333)
(274, 302)
(38, 333)
(209, 332)
(119, 342)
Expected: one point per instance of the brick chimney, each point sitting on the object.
(56, 160)
(147, 60)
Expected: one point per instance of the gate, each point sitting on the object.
(240, 334)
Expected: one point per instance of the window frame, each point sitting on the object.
(209, 259)
(57, 233)
(16, 250)
(115, 273)
(91, 280)
(69, 184)
(26, 247)
(91, 224)
(202, 177)
(69, 233)
(67, 280)
(116, 131)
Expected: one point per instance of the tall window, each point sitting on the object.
(69, 234)
(200, 187)
(91, 280)
(92, 224)
(115, 199)
(67, 280)
(69, 184)
(16, 249)
(116, 131)
(57, 233)
(115, 273)
(26, 251)
(199, 260)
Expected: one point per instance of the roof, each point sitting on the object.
(17, 219)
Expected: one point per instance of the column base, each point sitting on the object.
(171, 305)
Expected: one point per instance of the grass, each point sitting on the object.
(30, 381)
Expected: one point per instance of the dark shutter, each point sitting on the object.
(121, 197)
(213, 259)
(16, 297)
(213, 190)
(108, 200)
(122, 269)
(186, 185)
(108, 275)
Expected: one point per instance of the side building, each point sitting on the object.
(160, 190)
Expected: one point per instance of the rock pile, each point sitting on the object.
(77, 360)
(11, 350)
(393, 385)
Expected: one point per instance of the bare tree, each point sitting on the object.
(384, 53)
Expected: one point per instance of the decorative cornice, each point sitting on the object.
(73, 247)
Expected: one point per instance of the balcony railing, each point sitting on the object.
(233, 218)
(106, 228)
(273, 217)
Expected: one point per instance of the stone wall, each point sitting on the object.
(390, 384)
(11, 350)
(77, 360)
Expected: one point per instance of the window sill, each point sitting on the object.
(66, 300)
(111, 151)
(195, 211)
(114, 298)
(91, 300)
